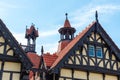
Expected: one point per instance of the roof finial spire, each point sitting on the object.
(96, 16)
(42, 50)
(66, 15)
(32, 24)
(26, 26)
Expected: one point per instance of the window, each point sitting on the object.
(91, 50)
(99, 52)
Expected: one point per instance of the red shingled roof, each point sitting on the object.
(34, 58)
(70, 45)
(63, 44)
(49, 59)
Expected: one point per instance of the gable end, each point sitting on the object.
(90, 62)
(14, 44)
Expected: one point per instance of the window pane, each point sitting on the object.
(99, 52)
(91, 51)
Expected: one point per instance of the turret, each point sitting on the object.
(66, 34)
(31, 35)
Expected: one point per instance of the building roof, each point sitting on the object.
(34, 58)
(63, 44)
(31, 30)
(70, 45)
(67, 23)
(94, 25)
(49, 59)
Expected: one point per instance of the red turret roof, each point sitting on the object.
(32, 29)
(67, 23)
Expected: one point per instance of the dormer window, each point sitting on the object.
(95, 51)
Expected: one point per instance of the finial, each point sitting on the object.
(96, 16)
(66, 15)
(42, 50)
(26, 26)
(33, 24)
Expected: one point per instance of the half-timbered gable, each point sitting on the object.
(12, 58)
(95, 51)
(90, 55)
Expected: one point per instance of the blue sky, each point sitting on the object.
(49, 15)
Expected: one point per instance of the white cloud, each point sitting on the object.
(20, 38)
(7, 7)
(48, 33)
(83, 15)
(106, 8)
(79, 18)
(51, 47)
(48, 47)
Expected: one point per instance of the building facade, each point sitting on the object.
(13, 60)
(91, 55)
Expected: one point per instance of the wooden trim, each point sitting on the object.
(11, 74)
(8, 58)
(118, 77)
(1, 72)
(11, 71)
(103, 76)
(72, 74)
(87, 75)
(54, 76)
(4, 51)
(70, 78)
(92, 69)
